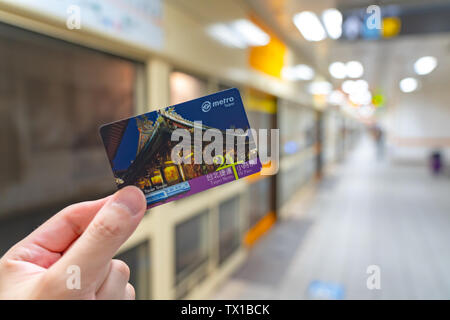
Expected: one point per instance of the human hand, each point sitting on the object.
(86, 235)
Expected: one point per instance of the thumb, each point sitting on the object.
(110, 228)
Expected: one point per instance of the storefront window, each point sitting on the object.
(191, 245)
(228, 228)
(138, 259)
(260, 201)
(53, 97)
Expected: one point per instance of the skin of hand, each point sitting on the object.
(86, 235)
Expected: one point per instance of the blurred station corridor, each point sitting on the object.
(354, 202)
(363, 213)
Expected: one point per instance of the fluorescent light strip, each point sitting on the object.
(332, 19)
(408, 85)
(226, 36)
(240, 33)
(298, 72)
(320, 88)
(425, 65)
(251, 34)
(309, 26)
(338, 70)
(354, 69)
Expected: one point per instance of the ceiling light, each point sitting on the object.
(408, 85)
(348, 86)
(425, 65)
(336, 97)
(332, 19)
(361, 85)
(337, 70)
(226, 36)
(250, 33)
(298, 72)
(358, 91)
(309, 26)
(320, 88)
(354, 69)
(360, 97)
(366, 111)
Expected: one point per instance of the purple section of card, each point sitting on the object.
(226, 174)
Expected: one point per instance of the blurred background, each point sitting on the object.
(360, 206)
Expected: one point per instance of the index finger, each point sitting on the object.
(46, 244)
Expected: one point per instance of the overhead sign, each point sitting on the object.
(371, 23)
(135, 21)
(268, 59)
(395, 20)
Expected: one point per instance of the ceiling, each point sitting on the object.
(385, 61)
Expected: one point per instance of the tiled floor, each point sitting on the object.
(367, 213)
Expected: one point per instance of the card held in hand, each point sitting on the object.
(183, 149)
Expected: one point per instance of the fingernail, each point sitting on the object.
(131, 198)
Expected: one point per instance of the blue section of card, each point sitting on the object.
(167, 192)
(214, 111)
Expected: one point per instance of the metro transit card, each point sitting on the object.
(141, 149)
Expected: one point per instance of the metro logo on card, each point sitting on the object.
(180, 150)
